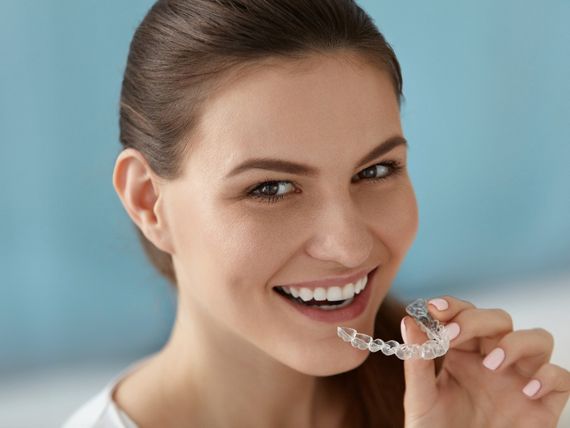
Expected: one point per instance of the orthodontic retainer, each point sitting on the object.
(436, 345)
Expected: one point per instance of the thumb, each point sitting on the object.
(421, 388)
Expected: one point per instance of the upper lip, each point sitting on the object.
(329, 282)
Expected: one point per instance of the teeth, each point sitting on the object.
(334, 294)
(320, 294)
(348, 291)
(333, 307)
(359, 286)
(331, 294)
(306, 294)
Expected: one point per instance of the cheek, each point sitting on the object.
(253, 242)
(394, 216)
(229, 248)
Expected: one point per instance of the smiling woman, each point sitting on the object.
(226, 105)
(307, 132)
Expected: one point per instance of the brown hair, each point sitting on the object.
(182, 51)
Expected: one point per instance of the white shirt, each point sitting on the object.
(101, 411)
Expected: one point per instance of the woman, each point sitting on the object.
(263, 151)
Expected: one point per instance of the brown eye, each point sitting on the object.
(371, 172)
(268, 190)
(385, 170)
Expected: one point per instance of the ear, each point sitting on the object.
(139, 191)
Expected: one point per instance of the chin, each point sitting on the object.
(342, 366)
(329, 363)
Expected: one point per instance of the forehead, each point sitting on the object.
(297, 109)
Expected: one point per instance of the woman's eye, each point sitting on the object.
(268, 191)
(375, 172)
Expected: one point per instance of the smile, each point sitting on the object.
(339, 296)
(329, 304)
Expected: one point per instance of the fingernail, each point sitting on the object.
(403, 330)
(494, 359)
(531, 388)
(453, 330)
(440, 304)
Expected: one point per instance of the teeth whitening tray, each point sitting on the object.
(436, 345)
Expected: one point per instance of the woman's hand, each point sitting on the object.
(484, 373)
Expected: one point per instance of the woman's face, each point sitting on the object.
(231, 250)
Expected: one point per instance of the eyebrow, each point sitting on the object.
(302, 169)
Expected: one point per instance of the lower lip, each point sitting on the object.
(346, 313)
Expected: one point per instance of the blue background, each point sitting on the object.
(487, 110)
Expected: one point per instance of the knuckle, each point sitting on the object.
(467, 303)
(546, 335)
(505, 316)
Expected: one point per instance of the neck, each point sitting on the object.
(209, 377)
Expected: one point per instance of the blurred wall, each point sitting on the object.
(486, 115)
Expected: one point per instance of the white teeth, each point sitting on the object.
(320, 294)
(306, 294)
(348, 291)
(358, 286)
(332, 294)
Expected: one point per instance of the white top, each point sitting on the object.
(101, 411)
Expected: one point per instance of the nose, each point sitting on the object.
(340, 234)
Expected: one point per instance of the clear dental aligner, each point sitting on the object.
(436, 345)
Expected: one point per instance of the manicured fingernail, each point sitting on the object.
(403, 330)
(453, 330)
(531, 388)
(440, 304)
(494, 359)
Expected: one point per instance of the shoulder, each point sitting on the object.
(98, 412)
(101, 411)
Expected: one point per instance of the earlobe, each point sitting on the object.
(140, 195)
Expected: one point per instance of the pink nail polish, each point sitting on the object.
(403, 330)
(494, 359)
(440, 304)
(453, 330)
(531, 388)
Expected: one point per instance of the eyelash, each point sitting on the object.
(394, 166)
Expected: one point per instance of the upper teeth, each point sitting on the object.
(330, 293)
